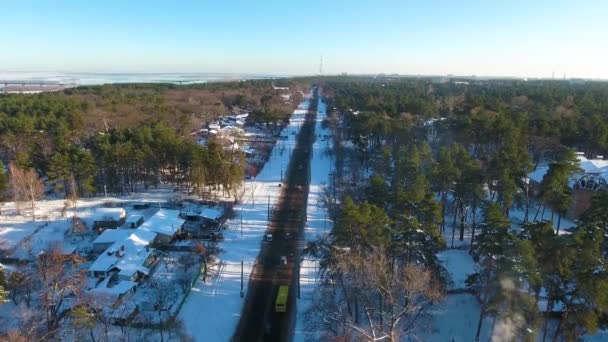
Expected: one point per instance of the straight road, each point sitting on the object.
(259, 321)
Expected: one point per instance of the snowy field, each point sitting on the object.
(213, 308)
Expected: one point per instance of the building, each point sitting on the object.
(202, 221)
(132, 257)
(109, 218)
(593, 177)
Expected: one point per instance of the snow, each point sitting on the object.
(110, 214)
(459, 265)
(165, 222)
(455, 320)
(213, 308)
(118, 289)
(111, 236)
(211, 213)
(131, 219)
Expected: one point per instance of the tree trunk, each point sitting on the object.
(474, 223)
(546, 323)
(454, 224)
(537, 211)
(463, 217)
(443, 205)
(558, 329)
(559, 221)
(479, 324)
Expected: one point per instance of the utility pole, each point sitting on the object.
(242, 264)
(268, 213)
(299, 267)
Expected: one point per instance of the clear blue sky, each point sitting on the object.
(482, 37)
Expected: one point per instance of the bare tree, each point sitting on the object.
(79, 228)
(393, 297)
(162, 297)
(185, 263)
(62, 281)
(27, 186)
(20, 286)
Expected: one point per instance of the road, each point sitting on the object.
(259, 321)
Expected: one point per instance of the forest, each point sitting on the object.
(116, 139)
(424, 167)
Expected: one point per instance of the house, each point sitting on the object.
(109, 218)
(134, 221)
(593, 177)
(126, 253)
(108, 237)
(131, 257)
(202, 221)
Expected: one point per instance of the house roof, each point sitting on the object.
(110, 214)
(119, 288)
(130, 253)
(166, 222)
(111, 236)
(126, 248)
(212, 213)
(134, 218)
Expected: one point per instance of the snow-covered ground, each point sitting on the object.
(213, 308)
(317, 222)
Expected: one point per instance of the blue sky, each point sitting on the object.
(465, 37)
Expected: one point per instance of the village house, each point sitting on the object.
(132, 256)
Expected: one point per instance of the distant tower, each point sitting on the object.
(321, 66)
(553, 75)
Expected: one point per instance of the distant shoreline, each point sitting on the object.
(93, 78)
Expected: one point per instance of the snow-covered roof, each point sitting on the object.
(166, 222)
(118, 289)
(127, 249)
(110, 214)
(212, 213)
(134, 218)
(134, 262)
(111, 236)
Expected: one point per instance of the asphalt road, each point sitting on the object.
(259, 321)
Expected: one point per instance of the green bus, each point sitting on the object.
(281, 303)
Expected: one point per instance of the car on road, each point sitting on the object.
(283, 260)
(268, 237)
